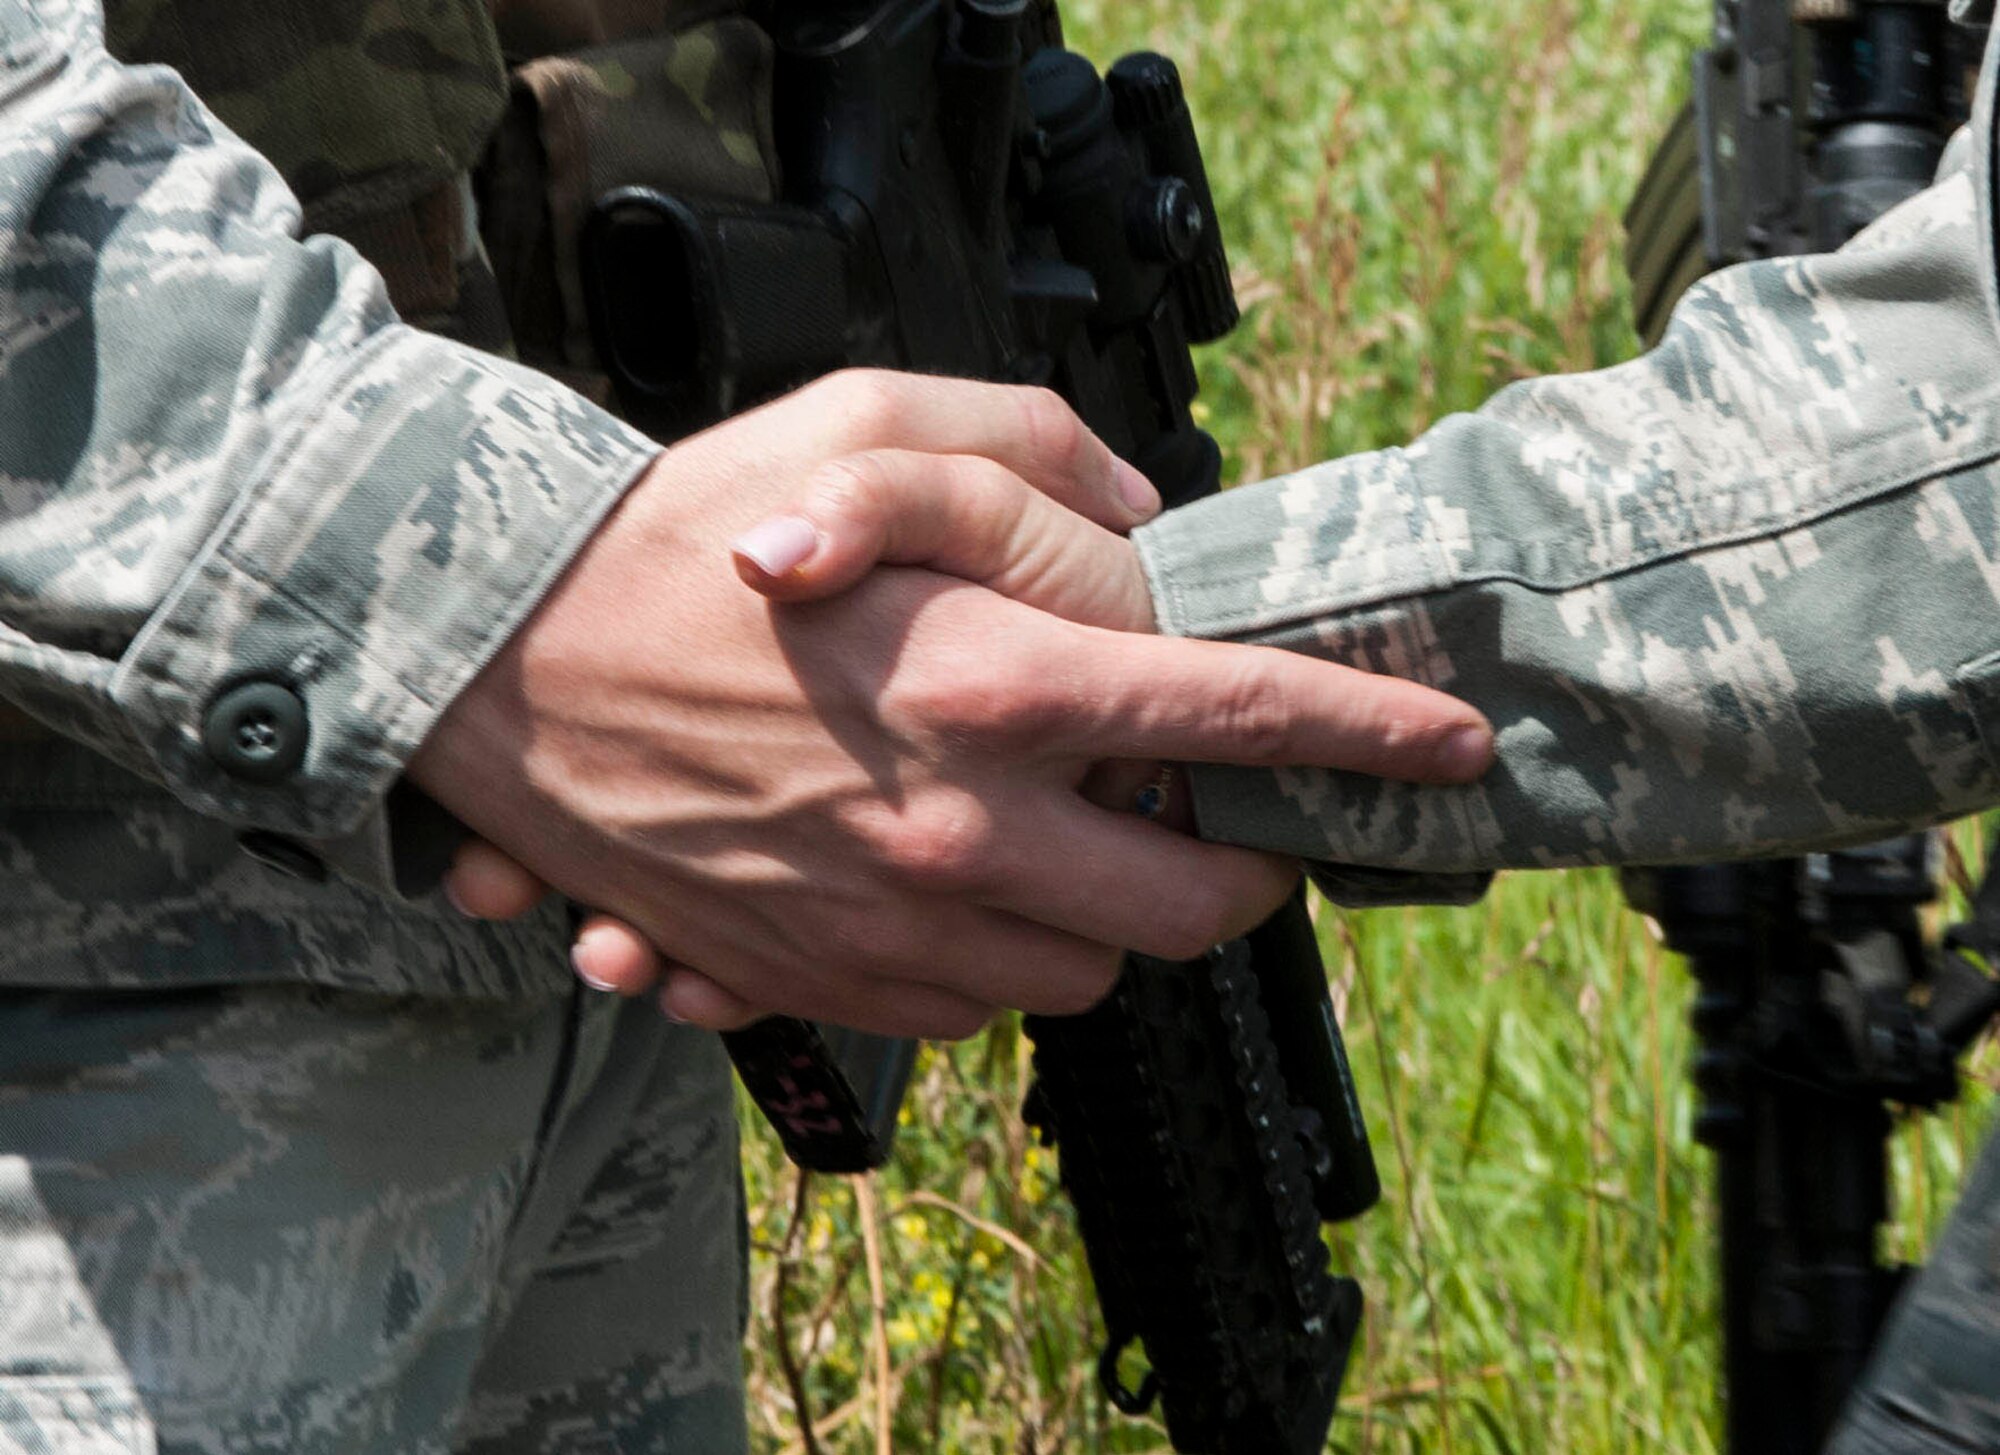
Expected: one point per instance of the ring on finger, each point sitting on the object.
(1151, 801)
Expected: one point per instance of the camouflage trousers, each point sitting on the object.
(1933, 1387)
(241, 1212)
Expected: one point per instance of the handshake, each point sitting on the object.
(845, 713)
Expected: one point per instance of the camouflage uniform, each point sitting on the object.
(1738, 597)
(287, 1164)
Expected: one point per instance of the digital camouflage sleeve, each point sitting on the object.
(1739, 596)
(268, 477)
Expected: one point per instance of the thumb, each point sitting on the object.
(961, 515)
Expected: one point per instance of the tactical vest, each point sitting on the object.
(459, 144)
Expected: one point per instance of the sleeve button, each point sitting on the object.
(256, 732)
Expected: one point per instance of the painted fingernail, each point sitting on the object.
(778, 546)
(1466, 753)
(1136, 490)
(451, 898)
(581, 954)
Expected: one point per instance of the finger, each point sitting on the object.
(995, 958)
(692, 998)
(982, 956)
(939, 967)
(932, 961)
(1031, 431)
(927, 1013)
(610, 955)
(1193, 894)
(1076, 872)
(1131, 696)
(960, 515)
(484, 883)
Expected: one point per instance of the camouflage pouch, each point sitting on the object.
(364, 107)
(374, 113)
(686, 109)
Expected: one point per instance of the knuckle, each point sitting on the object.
(1052, 430)
(872, 404)
(852, 488)
(1013, 714)
(998, 703)
(1257, 717)
(946, 847)
(1020, 699)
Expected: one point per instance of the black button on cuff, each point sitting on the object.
(275, 851)
(256, 732)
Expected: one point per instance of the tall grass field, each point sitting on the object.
(1422, 203)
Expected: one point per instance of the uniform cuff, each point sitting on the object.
(1206, 567)
(377, 557)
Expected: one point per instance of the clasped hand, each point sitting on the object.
(861, 790)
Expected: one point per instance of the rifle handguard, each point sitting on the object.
(1189, 1158)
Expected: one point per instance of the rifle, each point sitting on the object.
(1818, 999)
(963, 195)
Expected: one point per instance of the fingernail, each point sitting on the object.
(667, 1011)
(451, 898)
(778, 546)
(1466, 754)
(1136, 490)
(580, 956)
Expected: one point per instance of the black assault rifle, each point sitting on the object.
(1819, 1003)
(962, 195)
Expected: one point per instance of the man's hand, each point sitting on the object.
(865, 809)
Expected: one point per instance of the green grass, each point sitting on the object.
(1422, 203)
